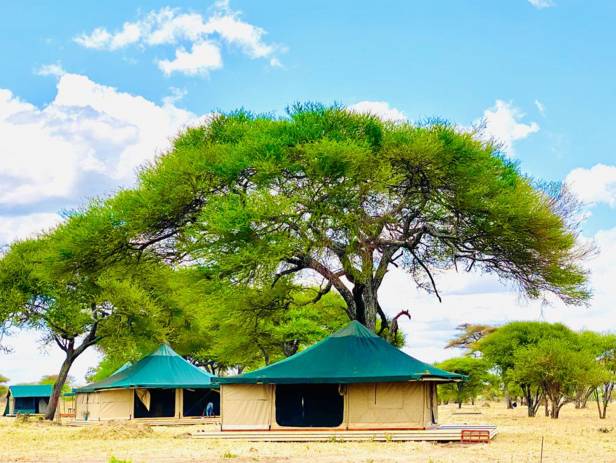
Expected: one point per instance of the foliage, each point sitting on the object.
(53, 379)
(549, 361)
(73, 308)
(560, 368)
(479, 380)
(603, 348)
(468, 335)
(344, 197)
(3, 387)
(242, 328)
(499, 349)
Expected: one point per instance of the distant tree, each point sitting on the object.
(346, 197)
(3, 387)
(603, 348)
(499, 349)
(53, 379)
(559, 368)
(479, 379)
(468, 335)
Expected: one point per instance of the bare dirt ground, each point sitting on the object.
(578, 436)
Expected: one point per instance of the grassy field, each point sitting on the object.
(578, 436)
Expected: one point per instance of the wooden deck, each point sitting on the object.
(151, 421)
(443, 433)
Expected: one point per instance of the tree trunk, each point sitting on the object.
(532, 400)
(370, 308)
(547, 407)
(508, 401)
(57, 387)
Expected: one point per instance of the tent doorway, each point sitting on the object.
(32, 405)
(309, 405)
(162, 404)
(196, 400)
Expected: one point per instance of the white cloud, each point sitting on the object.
(169, 26)
(594, 185)
(87, 141)
(480, 298)
(503, 123)
(541, 4)
(29, 360)
(202, 58)
(55, 70)
(540, 107)
(26, 226)
(380, 109)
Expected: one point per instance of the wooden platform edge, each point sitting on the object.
(450, 433)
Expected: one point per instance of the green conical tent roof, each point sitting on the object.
(161, 369)
(353, 354)
(122, 368)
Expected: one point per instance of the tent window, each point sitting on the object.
(388, 395)
(196, 400)
(162, 404)
(309, 405)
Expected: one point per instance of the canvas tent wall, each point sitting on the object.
(27, 399)
(352, 379)
(161, 385)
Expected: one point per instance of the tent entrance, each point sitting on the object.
(30, 405)
(309, 405)
(196, 402)
(162, 404)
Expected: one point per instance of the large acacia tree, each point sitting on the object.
(345, 197)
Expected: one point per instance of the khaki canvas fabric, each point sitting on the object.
(246, 406)
(401, 405)
(105, 405)
(387, 405)
(117, 404)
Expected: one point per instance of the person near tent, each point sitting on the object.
(209, 409)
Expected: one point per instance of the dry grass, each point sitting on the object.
(575, 437)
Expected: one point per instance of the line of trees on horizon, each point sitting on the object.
(537, 362)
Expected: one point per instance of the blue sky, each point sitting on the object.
(91, 91)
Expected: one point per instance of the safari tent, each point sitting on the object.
(160, 385)
(27, 399)
(351, 380)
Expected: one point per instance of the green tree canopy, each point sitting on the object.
(499, 349)
(75, 309)
(479, 379)
(560, 368)
(603, 348)
(3, 387)
(468, 335)
(342, 196)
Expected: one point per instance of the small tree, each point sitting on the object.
(603, 347)
(53, 379)
(499, 349)
(3, 381)
(559, 368)
(479, 378)
(468, 335)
